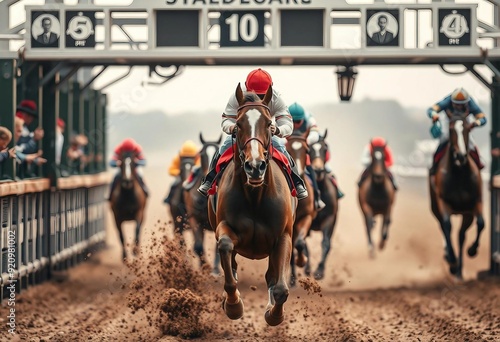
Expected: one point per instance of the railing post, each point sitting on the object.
(8, 108)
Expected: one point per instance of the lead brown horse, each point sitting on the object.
(457, 189)
(254, 209)
(197, 204)
(376, 196)
(326, 219)
(306, 212)
(128, 200)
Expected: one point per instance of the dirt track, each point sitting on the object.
(404, 294)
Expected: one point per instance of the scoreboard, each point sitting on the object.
(249, 32)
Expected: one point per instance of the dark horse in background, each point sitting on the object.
(254, 209)
(325, 219)
(376, 196)
(457, 189)
(128, 200)
(297, 146)
(197, 204)
(177, 207)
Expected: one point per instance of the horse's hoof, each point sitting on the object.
(381, 244)
(215, 273)
(301, 260)
(292, 282)
(472, 251)
(371, 253)
(318, 275)
(455, 270)
(307, 271)
(233, 311)
(272, 320)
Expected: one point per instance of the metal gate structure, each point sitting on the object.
(54, 214)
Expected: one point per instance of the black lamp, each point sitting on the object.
(346, 76)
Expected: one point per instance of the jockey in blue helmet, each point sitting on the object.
(304, 122)
(458, 101)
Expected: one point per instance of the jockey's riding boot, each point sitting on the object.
(363, 177)
(300, 187)
(393, 181)
(210, 177)
(340, 194)
(475, 156)
(318, 202)
(174, 186)
(143, 186)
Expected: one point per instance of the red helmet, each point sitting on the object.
(28, 107)
(258, 81)
(60, 123)
(128, 145)
(378, 142)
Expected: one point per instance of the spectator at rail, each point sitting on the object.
(5, 139)
(60, 125)
(76, 153)
(21, 157)
(28, 142)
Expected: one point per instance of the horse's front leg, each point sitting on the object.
(226, 241)
(122, 237)
(385, 227)
(466, 222)
(327, 230)
(139, 219)
(472, 251)
(279, 261)
(302, 229)
(445, 223)
(368, 213)
(199, 235)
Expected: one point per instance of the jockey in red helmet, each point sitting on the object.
(258, 81)
(128, 146)
(366, 159)
(458, 101)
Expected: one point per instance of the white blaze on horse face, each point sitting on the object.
(317, 149)
(128, 168)
(459, 129)
(377, 155)
(253, 116)
(297, 145)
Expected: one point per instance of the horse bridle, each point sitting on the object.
(240, 148)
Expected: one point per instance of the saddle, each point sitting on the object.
(474, 155)
(277, 156)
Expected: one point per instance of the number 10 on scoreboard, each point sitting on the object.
(239, 28)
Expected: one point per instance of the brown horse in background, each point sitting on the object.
(177, 207)
(376, 196)
(327, 218)
(128, 200)
(457, 189)
(197, 204)
(306, 212)
(254, 209)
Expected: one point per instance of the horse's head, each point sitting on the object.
(459, 139)
(128, 171)
(187, 164)
(319, 154)
(253, 135)
(377, 167)
(208, 150)
(297, 146)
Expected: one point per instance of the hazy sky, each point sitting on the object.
(202, 88)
